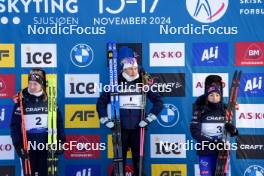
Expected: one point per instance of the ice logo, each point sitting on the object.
(207, 11)
(169, 116)
(254, 170)
(82, 55)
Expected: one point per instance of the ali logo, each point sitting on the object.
(82, 170)
(5, 115)
(207, 11)
(2, 114)
(254, 170)
(169, 116)
(210, 54)
(256, 83)
(82, 55)
(252, 84)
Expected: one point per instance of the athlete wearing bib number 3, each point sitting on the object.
(208, 124)
(35, 116)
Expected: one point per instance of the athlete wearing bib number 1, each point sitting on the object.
(130, 103)
(29, 124)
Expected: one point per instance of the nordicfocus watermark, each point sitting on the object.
(191, 29)
(192, 145)
(72, 145)
(124, 87)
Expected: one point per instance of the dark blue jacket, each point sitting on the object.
(130, 118)
(213, 115)
(34, 107)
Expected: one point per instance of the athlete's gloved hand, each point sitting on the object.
(107, 122)
(143, 123)
(21, 153)
(231, 129)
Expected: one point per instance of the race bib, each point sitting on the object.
(130, 101)
(36, 122)
(213, 129)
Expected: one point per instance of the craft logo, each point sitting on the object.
(167, 145)
(82, 170)
(82, 152)
(7, 55)
(128, 169)
(110, 149)
(207, 11)
(5, 115)
(81, 85)
(168, 170)
(169, 84)
(7, 85)
(169, 116)
(167, 54)
(254, 170)
(250, 147)
(7, 170)
(249, 53)
(119, 6)
(250, 116)
(82, 55)
(6, 148)
(198, 83)
(38, 55)
(251, 85)
(81, 116)
(210, 54)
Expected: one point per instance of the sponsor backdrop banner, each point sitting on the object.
(179, 42)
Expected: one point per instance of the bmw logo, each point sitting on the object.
(254, 170)
(169, 116)
(82, 55)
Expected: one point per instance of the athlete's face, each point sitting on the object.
(34, 87)
(131, 71)
(214, 97)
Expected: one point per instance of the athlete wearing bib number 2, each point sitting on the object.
(209, 123)
(32, 123)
